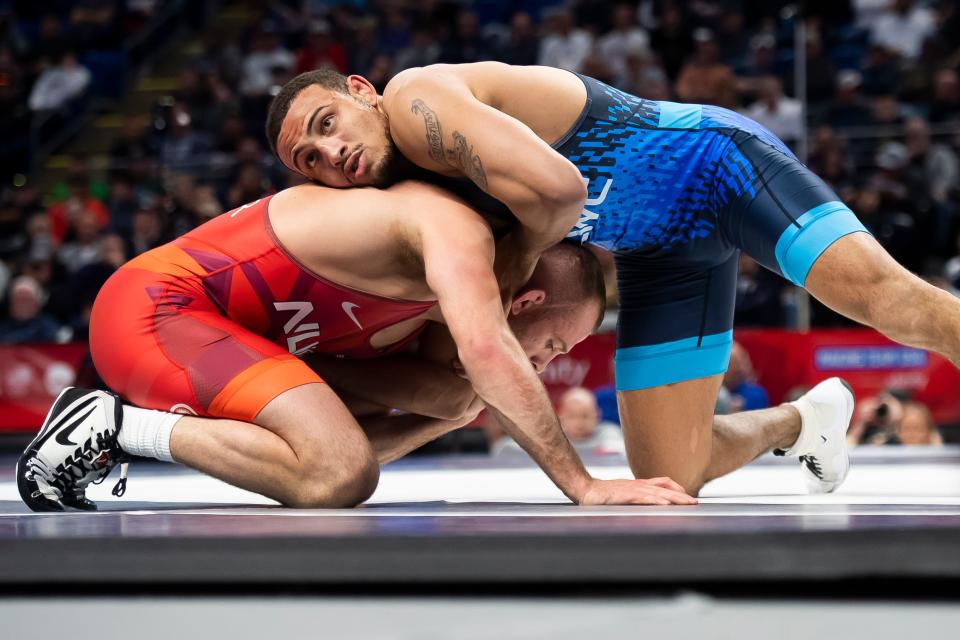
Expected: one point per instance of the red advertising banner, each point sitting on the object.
(784, 360)
(867, 360)
(32, 375)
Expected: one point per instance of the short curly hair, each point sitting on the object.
(280, 105)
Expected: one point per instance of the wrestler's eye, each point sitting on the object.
(550, 345)
(311, 160)
(327, 124)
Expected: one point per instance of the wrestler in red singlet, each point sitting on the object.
(212, 322)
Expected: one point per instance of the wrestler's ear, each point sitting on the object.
(526, 300)
(361, 89)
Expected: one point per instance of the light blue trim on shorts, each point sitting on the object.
(675, 115)
(799, 247)
(668, 362)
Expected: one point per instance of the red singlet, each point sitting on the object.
(211, 323)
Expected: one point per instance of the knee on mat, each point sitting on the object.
(691, 480)
(343, 487)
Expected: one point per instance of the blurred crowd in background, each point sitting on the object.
(878, 116)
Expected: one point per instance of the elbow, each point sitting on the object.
(486, 351)
(464, 407)
(563, 197)
(567, 188)
(457, 401)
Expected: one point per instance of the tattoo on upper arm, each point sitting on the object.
(434, 133)
(462, 156)
(468, 161)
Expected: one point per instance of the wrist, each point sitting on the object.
(580, 487)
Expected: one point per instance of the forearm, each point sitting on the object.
(515, 396)
(395, 436)
(405, 382)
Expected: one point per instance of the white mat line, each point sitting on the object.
(680, 512)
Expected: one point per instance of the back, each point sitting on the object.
(237, 265)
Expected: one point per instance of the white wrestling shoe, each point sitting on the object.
(76, 446)
(825, 413)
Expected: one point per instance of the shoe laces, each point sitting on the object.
(97, 456)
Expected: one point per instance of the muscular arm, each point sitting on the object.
(407, 382)
(458, 262)
(395, 436)
(439, 124)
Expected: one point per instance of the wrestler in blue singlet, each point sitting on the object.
(676, 191)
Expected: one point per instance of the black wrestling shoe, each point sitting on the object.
(76, 446)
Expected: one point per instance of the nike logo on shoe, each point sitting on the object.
(56, 423)
(63, 437)
(348, 308)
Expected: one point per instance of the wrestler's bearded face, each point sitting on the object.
(338, 139)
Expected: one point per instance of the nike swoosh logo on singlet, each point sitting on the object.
(348, 308)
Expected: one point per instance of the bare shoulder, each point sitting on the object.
(429, 205)
(475, 77)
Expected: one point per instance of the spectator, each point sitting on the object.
(644, 77)
(733, 40)
(394, 32)
(205, 203)
(63, 215)
(132, 143)
(758, 296)
(380, 71)
(93, 24)
(848, 108)
(179, 206)
(935, 165)
(888, 418)
(580, 419)
(320, 50)
(782, 115)
(821, 73)
(423, 50)
(248, 186)
(59, 84)
(903, 28)
(564, 46)
(147, 232)
(523, 44)
(672, 39)
(183, 144)
(704, 79)
(466, 45)
(11, 82)
(84, 248)
(918, 428)
(625, 37)
(945, 103)
(13, 236)
(50, 43)
(740, 381)
(266, 55)
(761, 64)
(26, 322)
(363, 46)
(881, 72)
(123, 203)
